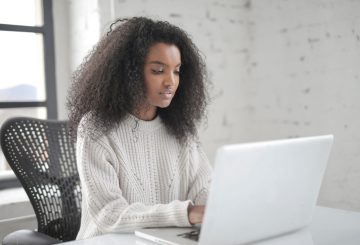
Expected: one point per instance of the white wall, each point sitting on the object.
(300, 76)
(280, 68)
(16, 213)
(76, 30)
(62, 53)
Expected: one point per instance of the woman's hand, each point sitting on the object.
(196, 214)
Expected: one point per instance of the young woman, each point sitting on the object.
(135, 103)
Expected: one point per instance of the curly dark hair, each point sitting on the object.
(110, 81)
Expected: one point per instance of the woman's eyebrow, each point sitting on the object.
(160, 63)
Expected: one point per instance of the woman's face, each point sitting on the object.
(161, 77)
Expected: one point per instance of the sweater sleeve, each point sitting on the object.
(108, 210)
(200, 175)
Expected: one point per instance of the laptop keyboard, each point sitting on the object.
(192, 235)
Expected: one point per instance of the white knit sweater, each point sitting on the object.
(138, 175)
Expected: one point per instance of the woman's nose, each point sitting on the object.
(170, 80)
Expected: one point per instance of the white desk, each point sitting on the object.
(330, 227)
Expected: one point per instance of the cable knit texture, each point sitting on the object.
(138, 175)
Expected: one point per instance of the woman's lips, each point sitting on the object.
(166, 94)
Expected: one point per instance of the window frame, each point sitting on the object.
(47, 30)
(50, 103)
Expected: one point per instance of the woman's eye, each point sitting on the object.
(157, 71)
(177, 72)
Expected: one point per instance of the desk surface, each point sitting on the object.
(329, 227)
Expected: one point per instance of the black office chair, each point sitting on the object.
(42, 155)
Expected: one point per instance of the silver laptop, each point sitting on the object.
(258, 191)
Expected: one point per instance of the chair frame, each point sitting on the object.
(55, 194)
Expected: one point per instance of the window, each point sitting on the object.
(27, 77)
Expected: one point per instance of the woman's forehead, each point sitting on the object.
(164, 53)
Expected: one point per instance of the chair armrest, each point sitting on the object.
(28, 237)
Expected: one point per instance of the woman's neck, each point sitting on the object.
(147, 114)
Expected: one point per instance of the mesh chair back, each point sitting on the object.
(42, 155)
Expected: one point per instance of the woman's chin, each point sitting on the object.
(164, 104)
